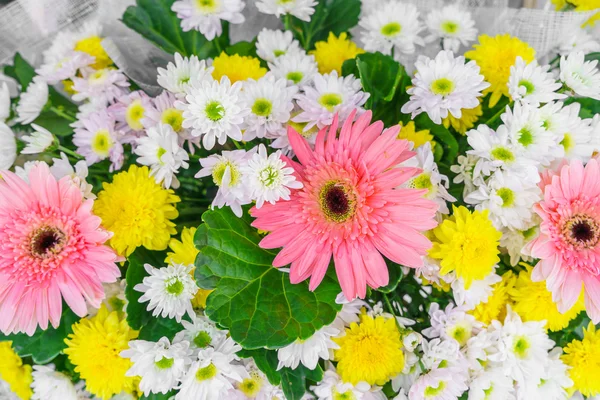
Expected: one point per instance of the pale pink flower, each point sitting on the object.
(568, 244)
(100, 86)
(51, 248)
(97, 140)
(129, 111)
(350, 207)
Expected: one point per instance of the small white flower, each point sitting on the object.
(32, 102)
(271, 44)
(8, 147)
(333, 388)
(451, 24)
(349, 313)
(185, 73)
(101, 86)
(297, 68)
(205, 16)
(393, 27)
(66, 68)
(38, 140)
(492, 384)
(578, 39)
(256, 386)
(49, 384)
(577, 135)
(464, 171)
(444, 84)
(213, 111)
(330, 95)
(411, 341)
(532, 83)
(554, 383)
(200, 333)
(301, 9)
(4, 102)
(453, 323)
(23, 172)
(160, 364)
(582, 77)
(478, 292)
(129, 111)
(442, 382)
(160, 150)
(62, 167)
(308, 351)
(514, 240)
(169, 290)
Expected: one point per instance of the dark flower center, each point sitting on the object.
(47, 241)
(582, 231)
(336, 202)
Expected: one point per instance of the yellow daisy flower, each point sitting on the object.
(94, 348)
(14, 372)
(237, 68)
(466, 121)
(585, 5)
(92, 46)
(419, 138)
(583, 356)
(137, 210)
(495, 307)
(495, 55)
(331, 54)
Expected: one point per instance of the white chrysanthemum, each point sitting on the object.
(8, 147)
(169, 290)
(577, 138)
(185, 73)
(532, 83)
(452, 25)
(453, 323)
(478, 292)
(349, 313)
(513, 241)
(333, 388)
(577, 39)
(256, 386)
(464, 171)
(226, 171)
(582, 77)
(268, 177)
(49, 384)
(271, 44)
(430, 179)
(393, 27)
(431, 272)
(206, 15)
(492, 384)
(446, 354)
(23, 172)
(301, 9)
(200, 333)
(508, 197)
(212, 375)
(37, 141)
(160, 150)
(159, 364)
(330, 95)
(444, 85)
(554, 383)
(32, 101)
(4, 102)
(297, 68)
(129, 111)
(270, 102)
(308, 351)
(213, 110)
(66, 68)
(101, 86)
(438, 384)
(482, 351)
(97, 140)
(62, 167)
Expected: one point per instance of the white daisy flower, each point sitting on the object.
(482, 350)
(444, 354)
(582, 77)
(97, 140)
(438, 384)
(308, 351)
(213, 110)
(330, 95)
(129, 111)
(301, 9)
(160, 365)
(32, 101)
(577, 137)
(4, 102)
(532, 83)
(513, 241)
(452, 25)
(62, 167)
(554, 383)
(169, 290)
(66, 68)
(333, 388)
(478, 292)
(205, 16)
(491, 384)
(101, 86)
(160, 150)
(49, 384)
(271, 44)
(185, 73)
(577, 39)
(200, 333)
(256, 386)
(226, 171)
(453, 323)
(8, 147)
(23, 172)
(270, 102)
(349, 313)
(269, 177)
(444, 84)
(37, 141)
(297, 68)
(392, 28)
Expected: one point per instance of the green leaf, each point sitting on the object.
(380, 76)
(157, 327)
(396, 274)
(593, 56)
(242, 49)
(159, 396)
(266, 361)
(44, 345)
(293, 381)
(442, 136)
(253, 300)
(21, 71)
(589, 106)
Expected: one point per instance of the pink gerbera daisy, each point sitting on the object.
(350, 207)
(568, 244)
(51, 247)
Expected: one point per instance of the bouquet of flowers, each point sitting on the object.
(376, 201)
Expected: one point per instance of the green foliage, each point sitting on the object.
(442, 136)
(396, 274)
(593, 56)
(253, 300)
(158, 327)
(589, 107)
(159, 396)
(294, 381)
(21, 71)
(266, 361)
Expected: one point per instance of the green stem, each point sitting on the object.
(237, 144)
(218, 46)
(495, 116)
(287, 22)
(389, 306)
(63, 114)
(69, 152)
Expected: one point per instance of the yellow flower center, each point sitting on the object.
(347, 395)
(330, 100)
(206, 373)
(207, 6)
(219, 171)
(529, 87)
(164, 363)
(262, 107)
(391, 29)
(202, 339)
(251, 386)
(102, 143)
(502, 154)
(134, 115)
(93, 46)
(214, 111)
(432, 391)
(442, 86)
(337, 202)
(507, 196)
(450, 27)
(581, 231)
(567, 142)
(521, 347)
(174, 287)
(172, 117)
(295, 76)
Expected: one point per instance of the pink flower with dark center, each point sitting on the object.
(350, 207)
(51, 248)
(569, 240)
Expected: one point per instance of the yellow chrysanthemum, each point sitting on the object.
(495, 307)
(533, 302)
(331, 54)
(467, 244)
(419, 138)
(466, 121)
(137, 210)
(371, 351)
(93, 46)
(68, 87)
(237, 68)
(583, 356)
(94, 348)
(585, 5)
(14, 372)
(495, 55)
